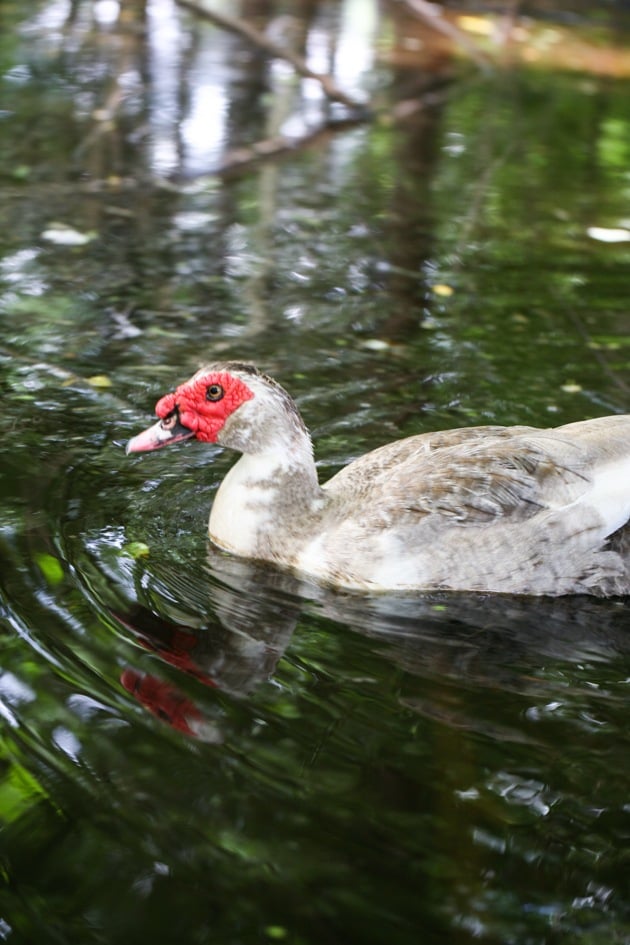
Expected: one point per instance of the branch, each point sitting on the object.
(243, 158)
(261, 41)
(431, 14)
(269, 148)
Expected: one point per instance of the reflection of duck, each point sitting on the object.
(228, 636)
(234, 646)
(448, 642)
(169, 704)
(228, 658)
(515, 509)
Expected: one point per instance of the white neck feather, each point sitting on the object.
(264, 498)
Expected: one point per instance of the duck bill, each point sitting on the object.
(162, 433)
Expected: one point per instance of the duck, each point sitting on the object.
(488, 509)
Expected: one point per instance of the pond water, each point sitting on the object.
(195, 749)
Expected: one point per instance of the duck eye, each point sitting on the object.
(214, 392)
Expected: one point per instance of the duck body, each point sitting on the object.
(494, 509)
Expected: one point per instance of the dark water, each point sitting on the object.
(197, 750)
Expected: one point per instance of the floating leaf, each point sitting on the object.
(63, 235)
(276, 932)
(50, 567)
(136, 549)
(375, 344)
(609, 235)
(100, 380)
(443, 290)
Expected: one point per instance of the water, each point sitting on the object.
(197, 749)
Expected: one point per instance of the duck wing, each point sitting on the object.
(480, 474)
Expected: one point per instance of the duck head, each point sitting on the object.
(217, 406)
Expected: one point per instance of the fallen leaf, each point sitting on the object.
(51, 568)
(100, 380)
(135, 549)
(62, 235)
(609, 234)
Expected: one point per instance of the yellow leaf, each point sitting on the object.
(100, 381)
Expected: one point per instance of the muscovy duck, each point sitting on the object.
(516, 510)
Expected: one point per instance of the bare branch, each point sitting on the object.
(278, 145)
(431, 14)
(261, 41)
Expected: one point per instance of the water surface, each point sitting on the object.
(194, 747)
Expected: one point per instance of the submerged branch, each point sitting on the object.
(263, 42)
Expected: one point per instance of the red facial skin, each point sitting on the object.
(205, 417)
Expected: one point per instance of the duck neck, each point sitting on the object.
(268, 500)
